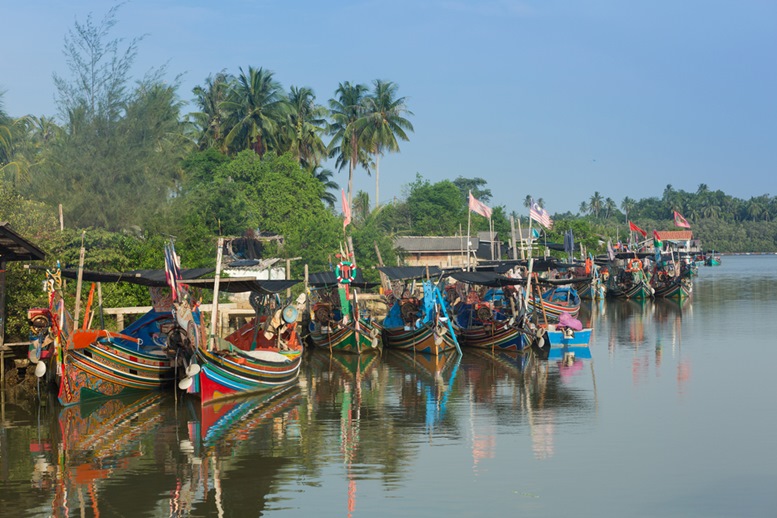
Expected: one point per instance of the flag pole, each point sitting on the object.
(469, 225)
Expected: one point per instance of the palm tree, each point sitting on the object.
(595, 204)
(627, 205)
(256, 108)
(210, 119)
(344, 111)
(382, 122)
(609, 207)
(361, 206)
(306, 124)
(324, 176)
(583, 207)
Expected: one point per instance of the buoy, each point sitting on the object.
(40, 369)
(193, 369)
(185, 383)
(290, 314)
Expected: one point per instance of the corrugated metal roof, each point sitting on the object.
(419, 244)
(14, 247)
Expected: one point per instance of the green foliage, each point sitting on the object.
(435, 209)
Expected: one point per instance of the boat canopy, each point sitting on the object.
(402, 273)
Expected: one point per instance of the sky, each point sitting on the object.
(556, 99)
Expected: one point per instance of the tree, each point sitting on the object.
(474, 185)
(306, 124)
(116, 160)
(627, 205)
(382, 121)
(324, 176)
(595, 204)
(210, 119)
(345, 146)
(256, 108)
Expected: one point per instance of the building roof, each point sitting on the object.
(432, 244)
(675, 235)
(14, 247)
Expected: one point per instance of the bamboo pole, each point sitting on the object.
(214, 312)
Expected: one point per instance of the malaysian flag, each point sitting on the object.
(540, 215)
(479, 207)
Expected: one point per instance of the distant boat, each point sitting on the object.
(627, 278)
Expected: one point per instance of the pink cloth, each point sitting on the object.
(571, 322)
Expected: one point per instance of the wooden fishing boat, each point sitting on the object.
(421, 325)
(338, 322)
(672, 278)
(265, 354)
(627, 278)
(87, 364)
(492, 319)
(555, 301)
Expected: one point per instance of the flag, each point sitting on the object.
(346, 210)
(657, 243)
(680, 221)
(479, 207)
(610, 251)
(540, 215)
(635, 228)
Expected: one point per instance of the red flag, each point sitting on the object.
(346, 210)
(635, 228)
(680, 221)
(478, 206)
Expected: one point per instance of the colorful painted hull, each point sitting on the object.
(675, 289)
(553, 310)
(638, 291)
(112, 366)
(594, 290)
(501, 335)
(421, 340)
(227, 374)
(576, 343)
(348, 340)
(107, 370)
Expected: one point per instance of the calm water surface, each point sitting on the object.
(674, 416)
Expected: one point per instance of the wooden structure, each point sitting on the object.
(13, 247)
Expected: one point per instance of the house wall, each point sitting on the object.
(443, 260)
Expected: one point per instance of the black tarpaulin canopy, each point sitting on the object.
(245, 284)
(401, 273)
(151, 278)
(490, 279)
(329, 279)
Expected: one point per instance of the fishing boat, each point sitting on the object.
(627, 278)
(712, 259)
(338, 321)
(555, 300)
(672, 279)
(418, 322)
(489, 316)
(263, 355)
(85, 363)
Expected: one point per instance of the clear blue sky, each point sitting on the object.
(556, 99)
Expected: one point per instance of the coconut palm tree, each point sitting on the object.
(595, 204)
(306, 124)
(256, 108)
(382, 122)
(209, 98)
(324, 176)
(344, 111)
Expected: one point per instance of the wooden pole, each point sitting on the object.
(515, 241)
(61, 219)
(80, 280)
(288, 277)
(214, 312)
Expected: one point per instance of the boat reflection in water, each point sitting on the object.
(218, 480)
(92, 444)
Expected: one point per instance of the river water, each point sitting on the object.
(674, 415)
